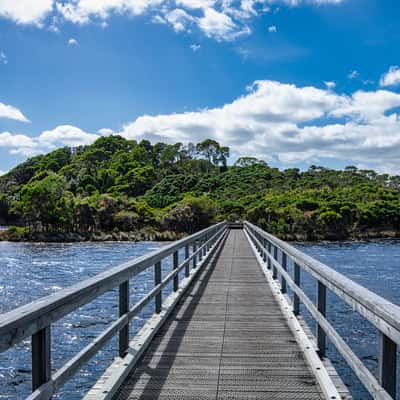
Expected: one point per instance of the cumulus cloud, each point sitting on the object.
(353, 74)
(272, 121)
(221, 20)
(195, 47)
(3, 58)
(284, 121)
(11, 112)
(330, 84)
(66, 135)
(63, 135)
(272, 29)
(72, 42)
(391, 77)
(26, 11)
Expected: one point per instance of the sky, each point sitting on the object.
(293, 82)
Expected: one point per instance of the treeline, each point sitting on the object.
(122, 185)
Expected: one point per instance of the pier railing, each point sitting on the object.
(384, 315)
(35, 319)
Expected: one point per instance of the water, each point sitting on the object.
(29, 271)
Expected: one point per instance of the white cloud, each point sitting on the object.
(195, 47)
(220, 26)
(271, 120)
(179, 19)
(72, 42)
(278, 120)
(66, 135)
(221, 20)
(11, 112)
(330, 84)
(26, 11)
(353, 74)
(272, 29)
(391, 77)
(218, 19)
(3, 58)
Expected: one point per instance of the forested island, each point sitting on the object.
(118, 189)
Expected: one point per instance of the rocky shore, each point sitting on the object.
(59, 237)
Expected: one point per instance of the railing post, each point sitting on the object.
(284, 266)
(274, 270)
(296, 300)
(387, 358)
(123, 309)
(269, 251)
(321, 304)
(205, 245)
(41, 357)
(175, 264)
(194, 251)
(264, 243)
(187, 267)
(157, 281)
(201, 250)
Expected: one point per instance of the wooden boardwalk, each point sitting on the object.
(226, 339)
(228, 329)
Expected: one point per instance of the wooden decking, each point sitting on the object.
(226, 339)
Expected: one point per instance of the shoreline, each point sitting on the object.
(164, 236)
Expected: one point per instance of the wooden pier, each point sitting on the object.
(228, 330)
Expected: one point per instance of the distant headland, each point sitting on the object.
(118, 189)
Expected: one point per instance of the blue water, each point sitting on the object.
(29, 271)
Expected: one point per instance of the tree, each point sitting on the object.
(47, 202)
(213, 152)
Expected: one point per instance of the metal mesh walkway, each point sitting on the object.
(227, 339)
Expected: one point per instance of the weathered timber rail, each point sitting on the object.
(384, 315)
(228, 330)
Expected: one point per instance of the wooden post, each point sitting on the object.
(321, 304)
(201, 251)
(274, 270)
(264, 243)
(284, 266)
(123, 309)
(41, 357)
(269, 251)
(157, 281)
(387, 359)
(194, 250)
(296, 300)
(175, 264)
(187, 267)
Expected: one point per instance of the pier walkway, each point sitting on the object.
(226, 339)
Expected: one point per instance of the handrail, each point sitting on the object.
(35, 319)
(384, 315)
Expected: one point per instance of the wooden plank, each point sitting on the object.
(321, 305)
(123, 309)
(387, 358)
(41, 357)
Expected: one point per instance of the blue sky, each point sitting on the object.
(294, 82)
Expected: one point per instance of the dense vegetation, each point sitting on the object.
(117, 185)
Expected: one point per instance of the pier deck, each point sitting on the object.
(226, 339)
